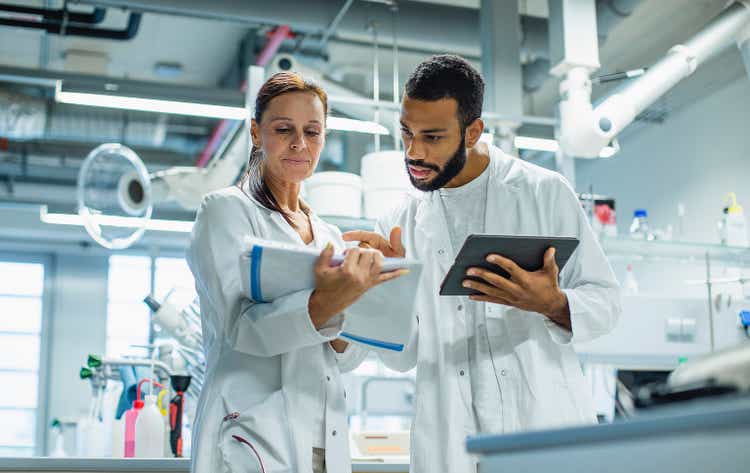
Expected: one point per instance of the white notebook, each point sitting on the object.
(382, 318)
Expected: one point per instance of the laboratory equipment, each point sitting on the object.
(705, 436)
(733, 225)
(114, 188)
(149, 427)
(183, 324)
(58, 440)
(630, 287)
(335, 193)
(586, 129)
(131, 416)
(91, 430)
(639, 228)
(180, 384)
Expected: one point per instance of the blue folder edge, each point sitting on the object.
(255, 257)
(373, 342)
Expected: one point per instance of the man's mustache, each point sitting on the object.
(422, 164)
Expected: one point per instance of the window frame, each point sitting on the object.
(45, 342)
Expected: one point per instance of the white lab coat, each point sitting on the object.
(550, 389)
(262, 359)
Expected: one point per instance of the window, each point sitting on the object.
(21, 315)
(128, 318)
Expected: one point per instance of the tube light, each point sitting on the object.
(181, 226)
(194, 109)
(360, 126)
(149, 105)
(546, 144)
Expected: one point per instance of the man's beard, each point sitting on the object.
(445, 175)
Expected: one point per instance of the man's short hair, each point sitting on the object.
(449, 77)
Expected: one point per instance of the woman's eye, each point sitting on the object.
(312, 133)
(283, 130)
(433, 138)
(406, 132)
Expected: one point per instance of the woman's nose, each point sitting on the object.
(298, 143)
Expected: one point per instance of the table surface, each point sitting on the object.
(144, 465)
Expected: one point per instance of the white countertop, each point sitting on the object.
(142, 465)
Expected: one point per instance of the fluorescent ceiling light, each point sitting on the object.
(546, 144)
(539, 144)
(360, 126)
(194, 109)
(181, 226)
(149, 105)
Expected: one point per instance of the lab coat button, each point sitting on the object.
(461, 372)
(328, 378)
(333, 433)
(503, 373)
(460, 307)
(441, 252)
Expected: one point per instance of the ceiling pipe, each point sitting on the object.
(277, 37)
(93, 18)
(61, 28)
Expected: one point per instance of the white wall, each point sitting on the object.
(78, 327)
(695, 157)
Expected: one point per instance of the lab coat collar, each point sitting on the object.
(430, 219)
(318, 226)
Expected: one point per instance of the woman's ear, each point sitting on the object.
(474, 132)
(255, 134)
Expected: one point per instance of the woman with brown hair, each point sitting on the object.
(273, 400)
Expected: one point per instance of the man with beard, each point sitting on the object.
(501, 361)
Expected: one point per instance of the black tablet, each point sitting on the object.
(526, 251)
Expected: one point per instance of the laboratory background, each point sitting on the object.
(118, 116)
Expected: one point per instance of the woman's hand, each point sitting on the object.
(338, 287)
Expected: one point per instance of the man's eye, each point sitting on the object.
(283, 130)
(434, 138)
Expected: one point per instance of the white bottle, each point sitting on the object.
(631, 283)
(149, 431)
(59, 441)
(736, 227)
(733, 225)
(118, 438)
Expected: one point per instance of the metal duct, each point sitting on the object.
(433, 28)
(93, 18)
(61, 28)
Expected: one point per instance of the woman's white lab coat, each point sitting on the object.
(263, 360)
(540, 380)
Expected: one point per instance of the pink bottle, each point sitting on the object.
(130, 417)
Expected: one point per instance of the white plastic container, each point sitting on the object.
(118, 438)
(736, 229)
(630, 287)
(149, 431)
(385, 182)
(335, 193)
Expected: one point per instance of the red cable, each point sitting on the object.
(241, 440)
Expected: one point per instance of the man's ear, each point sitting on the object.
(474, 132)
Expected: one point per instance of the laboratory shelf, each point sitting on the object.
(654, 249)
(675, 250)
